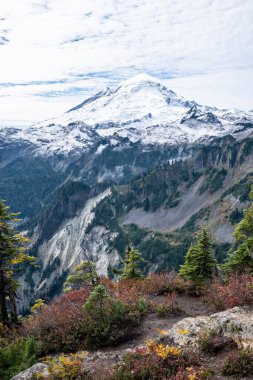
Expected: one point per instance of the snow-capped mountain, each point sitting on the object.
(140, 109)
(135, 154)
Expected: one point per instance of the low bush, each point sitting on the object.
(59, 326)
(8, 335)
(143, 306)
(211, 343)
(153, 284)
(168, 306)
(106, 319)
(158, 284)
(181, 285)
(239, 363)
(129, 293)
(236, 291)
(80, 319)
(156, 362)
(64, 367)
(17, 357)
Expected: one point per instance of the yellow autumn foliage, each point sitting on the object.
(163, 351)
(183, 332)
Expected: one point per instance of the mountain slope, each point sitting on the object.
(141, 109)
(160, 211)
(138, 162)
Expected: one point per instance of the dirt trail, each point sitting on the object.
(148, 329)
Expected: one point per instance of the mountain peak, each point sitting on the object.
(144, 82)
(142, 109)
(138, 79)
(133, 100)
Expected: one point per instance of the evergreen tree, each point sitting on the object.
(84, 274)
(101, 313)
(132, 260)
(199, 261)
(188, 269)
(241, 259)
(12, 258)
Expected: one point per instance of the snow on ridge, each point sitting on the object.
(141, 109)
(133, 99)
(139, 78)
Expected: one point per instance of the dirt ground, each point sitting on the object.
(189, 307)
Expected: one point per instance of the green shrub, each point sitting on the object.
(163, 310)
(17, 357)
(212, 343)
(105, 318)
(240, 363)
(235, 216)
(168, 306)
(142, 306)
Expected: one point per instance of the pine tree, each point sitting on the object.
(84, 274)
(101, 313)
(12, 258)
(241, 259)
(132, 260)
(188, 269)
(205, 260)
(199, 261)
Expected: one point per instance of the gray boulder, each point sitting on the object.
(28, 373)
(236, 323)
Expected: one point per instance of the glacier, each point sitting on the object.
(141, 109)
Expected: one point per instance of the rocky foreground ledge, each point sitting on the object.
(236, 323)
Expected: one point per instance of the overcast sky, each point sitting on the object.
(55, 53)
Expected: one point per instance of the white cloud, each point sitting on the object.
(230, 89)
(58, 41)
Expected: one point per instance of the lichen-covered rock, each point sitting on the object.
(28, 373)
(236, 323)
(102, 359)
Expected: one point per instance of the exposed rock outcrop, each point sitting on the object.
(35, 369)
(236, 323)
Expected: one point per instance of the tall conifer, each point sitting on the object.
(241, 259)
(132, 261)
(199, 262)
(12, 258)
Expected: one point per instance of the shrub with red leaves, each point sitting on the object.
(144, 365)
(167, 306)
(67, 326)
(195, 373)
(153, 284)
(59, 326)
(128, 292)
(237, 291)
(158, 284)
